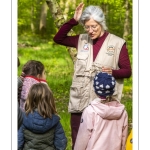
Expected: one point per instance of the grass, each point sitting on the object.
(59, 69)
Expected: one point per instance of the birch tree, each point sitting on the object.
(59, 21)
(126, 23)
(42, 26)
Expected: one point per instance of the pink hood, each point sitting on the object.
(111, 111)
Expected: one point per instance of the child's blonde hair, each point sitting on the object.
(40, 97)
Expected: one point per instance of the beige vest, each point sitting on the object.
(81, 90)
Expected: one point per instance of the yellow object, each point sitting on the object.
(129, 142)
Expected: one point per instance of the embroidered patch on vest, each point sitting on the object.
(85, 47)
(110, 50)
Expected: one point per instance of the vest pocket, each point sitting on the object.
(76, 91)
(81, 64)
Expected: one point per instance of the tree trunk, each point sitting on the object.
(42, 26)
(126, 24)
(67, 5)
(32, 18)
(59, 21)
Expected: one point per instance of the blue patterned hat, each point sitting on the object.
(104, 84)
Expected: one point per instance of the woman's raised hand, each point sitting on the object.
(78, 11)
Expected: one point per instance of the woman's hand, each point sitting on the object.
(107, 70)
(78, 11)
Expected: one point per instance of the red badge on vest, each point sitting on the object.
(86, 46)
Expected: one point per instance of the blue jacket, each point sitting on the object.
(41, 133)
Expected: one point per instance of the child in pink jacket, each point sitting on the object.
(104, 123)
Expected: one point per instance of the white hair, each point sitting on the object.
(94, 12)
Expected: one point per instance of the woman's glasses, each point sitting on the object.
(93, 27)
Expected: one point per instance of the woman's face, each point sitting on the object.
(93, 29)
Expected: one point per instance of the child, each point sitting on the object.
(33, 72)
(20, 113)
(41, 128)
(104, 123)
(19, 82)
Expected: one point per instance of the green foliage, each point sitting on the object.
(127, 101)
(65, 120)
(29, 15)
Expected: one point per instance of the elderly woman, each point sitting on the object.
(98, 51)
